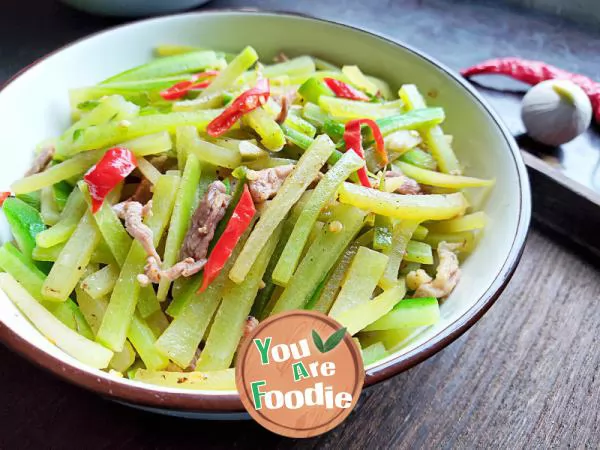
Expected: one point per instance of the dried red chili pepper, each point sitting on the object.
(534, 72)
(115, 165)
(353, 141)
(178, 90)
(344, 90)
(246, 102)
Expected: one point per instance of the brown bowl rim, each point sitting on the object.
(225, 404)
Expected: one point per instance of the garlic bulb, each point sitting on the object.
(556, 111)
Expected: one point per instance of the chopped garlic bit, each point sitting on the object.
(336, 226)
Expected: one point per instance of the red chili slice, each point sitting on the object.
(238, 223)
(115, 165)
(344, 90)
(178, 90)
(353, 141)
(379, 144)
(3, 196)
(243, 104)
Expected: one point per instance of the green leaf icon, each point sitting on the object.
(318, 341)
(331, 342)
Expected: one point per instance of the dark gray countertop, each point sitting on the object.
(527, 375)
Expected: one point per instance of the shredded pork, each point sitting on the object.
(285, 101)
(133, 213)
(416, 278)
(194, 361)
(446, 277)
(151, 272)
(186, 268)
(204, 222)
(285, 106)
(249, 325)
(160, 162)
(41, 161)
(264, 184)
(399, 183)
(195, 244)
(143, 192)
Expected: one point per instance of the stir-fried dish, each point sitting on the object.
(198, 194)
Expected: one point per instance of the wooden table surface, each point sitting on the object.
(526, 376)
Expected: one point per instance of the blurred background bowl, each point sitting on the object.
(133, 8)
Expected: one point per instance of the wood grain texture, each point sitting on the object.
(526, 376)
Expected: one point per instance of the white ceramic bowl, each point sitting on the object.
(35, 112)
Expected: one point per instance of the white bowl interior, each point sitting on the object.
(36, 107)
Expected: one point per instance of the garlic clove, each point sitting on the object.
(556, 111)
